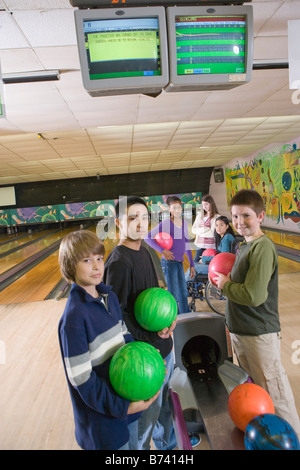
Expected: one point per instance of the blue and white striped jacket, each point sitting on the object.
(90, 331)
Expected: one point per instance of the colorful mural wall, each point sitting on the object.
(158, 203)
(276, 176)
(81, 210)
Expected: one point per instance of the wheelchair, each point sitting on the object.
(201, 288)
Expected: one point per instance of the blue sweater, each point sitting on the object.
(90, 331)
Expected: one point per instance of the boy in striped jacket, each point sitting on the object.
(90, 331)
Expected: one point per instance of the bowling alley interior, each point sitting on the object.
(170, 112)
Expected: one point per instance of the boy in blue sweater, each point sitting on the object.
(91, 330)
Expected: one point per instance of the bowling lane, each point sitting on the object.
(33, 284)
(37, 283)
(24, 253)
(15, 242)
(286, 239)
(6, 237)
(286, 263)
(41, 280)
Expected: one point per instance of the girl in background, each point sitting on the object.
(224, 237)
(204, 226)
(172, 259)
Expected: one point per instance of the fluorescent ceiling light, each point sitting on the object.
(26, 77)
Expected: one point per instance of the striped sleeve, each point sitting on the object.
(79, 367)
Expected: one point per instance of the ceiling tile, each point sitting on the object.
(36, 4)
(276, 23)
(117, 170)
(11, 35)
(47, 27)
(19, 60)
(138, 168)
(63, 58)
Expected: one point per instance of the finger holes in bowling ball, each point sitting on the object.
(201, 355)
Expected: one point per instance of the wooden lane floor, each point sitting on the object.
(286, 239)
(6, 237)
(24, 253)
(289, 240)
(37, 283)
(35, 407)
(11, 242)
(286, 265)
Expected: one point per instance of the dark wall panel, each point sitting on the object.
(112, 186)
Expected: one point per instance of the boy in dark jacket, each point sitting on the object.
(129, 269)
(90, 332)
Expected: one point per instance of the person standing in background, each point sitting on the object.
(204, 226)
(129, 269)
(172, 259)
(224, 239)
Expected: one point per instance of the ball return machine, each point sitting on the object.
(203, 355)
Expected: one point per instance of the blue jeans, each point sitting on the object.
(156, 421)
(198, 254)
(133, 437)
(199, 268)
(174, 274)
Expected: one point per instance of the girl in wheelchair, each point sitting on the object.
(225, 242)
(198, 287)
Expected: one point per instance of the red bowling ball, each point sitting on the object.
(209, 252)
(164, 240)
(221, 263)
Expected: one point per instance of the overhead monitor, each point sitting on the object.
(122, 51)
(210, 48)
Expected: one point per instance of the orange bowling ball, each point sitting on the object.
(164, 240)
(246, 401)
(221, 263)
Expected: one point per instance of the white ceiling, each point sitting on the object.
(83, 136)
